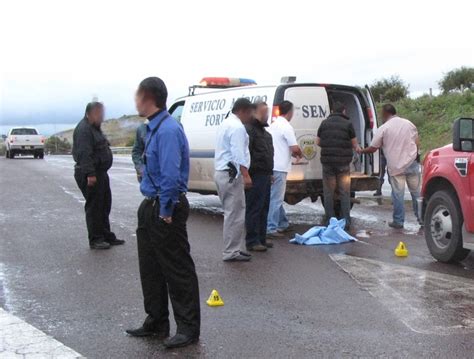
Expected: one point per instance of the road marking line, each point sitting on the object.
(426, 302)
(20, 339)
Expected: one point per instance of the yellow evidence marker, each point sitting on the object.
(401, 250)
(215, 299)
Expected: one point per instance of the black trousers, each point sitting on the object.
(337, 179)
(166, 267)
(98, 205)
(257, 202)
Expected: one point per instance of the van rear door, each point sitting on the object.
(311, 108)
(372, 112)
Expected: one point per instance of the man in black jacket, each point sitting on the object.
(257, 197)
(93, 159)
(337, 139)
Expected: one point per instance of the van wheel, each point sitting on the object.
(443, 227)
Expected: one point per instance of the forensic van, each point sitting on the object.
(208, 104)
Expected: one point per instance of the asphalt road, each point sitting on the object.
(352, 300)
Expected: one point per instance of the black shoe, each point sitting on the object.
(377, 193)
(99, 245)
(257, 248)
(395, 225)
(148, 332)
(239, 258)
(115, 242)
(179, 341)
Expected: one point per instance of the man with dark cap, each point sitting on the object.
(166, 265)
(93, 159)
(231, 162)
(337, 139)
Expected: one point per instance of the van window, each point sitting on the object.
(177, 110)
(24, 131)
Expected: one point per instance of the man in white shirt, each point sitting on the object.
(232, 161)
(399, 140)
(285, 146)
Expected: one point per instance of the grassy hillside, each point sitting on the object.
(434, 116)
(119, 131)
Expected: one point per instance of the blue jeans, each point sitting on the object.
(276, 215)
(412, 178)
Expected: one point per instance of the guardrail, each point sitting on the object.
(121, 150)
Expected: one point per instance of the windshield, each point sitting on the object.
(24, 131)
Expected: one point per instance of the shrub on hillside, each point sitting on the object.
(458, 80)
(389, 89)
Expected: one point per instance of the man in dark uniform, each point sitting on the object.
(164, 255)
(257, 197)
(337, 139)
(93, 159)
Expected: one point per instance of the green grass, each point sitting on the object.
(434, 116)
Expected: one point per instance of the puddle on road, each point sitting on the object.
(426, 302)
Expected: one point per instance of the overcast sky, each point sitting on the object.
(55, 55)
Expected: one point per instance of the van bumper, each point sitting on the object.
(298, 190)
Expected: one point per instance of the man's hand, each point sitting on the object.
(167, 220)
(359, 150)
(247, 181)
(139, 175)
(91, 181)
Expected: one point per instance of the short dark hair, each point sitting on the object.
(338, 107)
(389, 108)
(285, 107)
(155, 88)
(92, 106)
(242, 104)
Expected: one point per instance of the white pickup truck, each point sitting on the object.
(24, 141)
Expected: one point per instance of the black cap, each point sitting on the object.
(242, 104)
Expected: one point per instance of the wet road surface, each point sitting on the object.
(351, 300)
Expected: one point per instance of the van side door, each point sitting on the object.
(373, 159)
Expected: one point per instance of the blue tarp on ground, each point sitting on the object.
(334, 233)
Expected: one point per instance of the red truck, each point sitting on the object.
(447, 195)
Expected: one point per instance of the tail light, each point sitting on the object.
(12, 139)
(42, 140)
(371, 117)
(275, 111)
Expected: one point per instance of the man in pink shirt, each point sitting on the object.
(399, 140)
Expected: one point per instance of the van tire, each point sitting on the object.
(443, 227)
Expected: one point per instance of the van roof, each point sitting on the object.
(243, 88)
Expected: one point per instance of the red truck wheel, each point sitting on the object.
(443, 227)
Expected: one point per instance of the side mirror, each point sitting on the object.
(463, 135)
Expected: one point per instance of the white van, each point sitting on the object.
(202, 113)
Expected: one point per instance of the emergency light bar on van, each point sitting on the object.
(224, 82)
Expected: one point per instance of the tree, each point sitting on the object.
(57, 145)
(458, 80)
(389, 89)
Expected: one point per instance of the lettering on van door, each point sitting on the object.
(314, 111)
(216, 110)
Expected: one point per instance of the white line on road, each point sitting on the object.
(19, 339)
(426, 302)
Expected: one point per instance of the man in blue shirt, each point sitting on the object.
(164, 255)
(232, 161)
